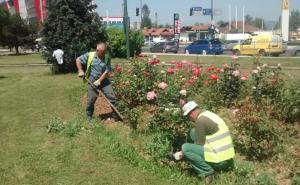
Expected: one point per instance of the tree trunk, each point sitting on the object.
(17, 49)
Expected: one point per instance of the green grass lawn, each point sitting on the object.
(30, 97)
(22, 59)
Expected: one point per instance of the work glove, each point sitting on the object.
(178, 156)
(80, 74)
(97, 83)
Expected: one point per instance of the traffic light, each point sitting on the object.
(191, 12)
(137, 11)
(176, 16)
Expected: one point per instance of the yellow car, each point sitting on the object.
(262, 44)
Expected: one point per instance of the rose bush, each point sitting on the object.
(158, 86)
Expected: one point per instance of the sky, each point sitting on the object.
(270, 10)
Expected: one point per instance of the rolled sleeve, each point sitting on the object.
(84, 58)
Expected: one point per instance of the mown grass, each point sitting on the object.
(22, 59)
(30, 98)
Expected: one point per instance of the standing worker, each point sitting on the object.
(211, 148)
(58, 54)
(98, 66)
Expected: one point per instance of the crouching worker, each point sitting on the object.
(97, 69)
(211, 148)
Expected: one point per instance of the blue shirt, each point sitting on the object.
(98, 66)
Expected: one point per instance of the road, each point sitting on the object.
(288, 53)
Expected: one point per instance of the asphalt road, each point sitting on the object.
(288, 53)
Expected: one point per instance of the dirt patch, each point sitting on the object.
(102, 109)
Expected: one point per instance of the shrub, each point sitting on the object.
(254, 135)
(288, 104)
(266, 82)
(133, 117)
(117, 42)
(171, 122)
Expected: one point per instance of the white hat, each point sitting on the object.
(188, 107)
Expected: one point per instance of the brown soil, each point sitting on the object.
(102, 109)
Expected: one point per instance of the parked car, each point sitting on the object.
(296, 51)
(213, 46)
(165, 47)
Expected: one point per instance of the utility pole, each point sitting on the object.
(229, 17)
(126, 26)
(243, 19)
(236, 17)
(141, 4)
(212, 11)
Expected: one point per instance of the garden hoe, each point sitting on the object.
(101, 94)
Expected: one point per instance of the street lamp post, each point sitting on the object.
(126, 26)
(212, 11)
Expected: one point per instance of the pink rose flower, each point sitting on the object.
(244, 78)
(162, 85)
(236, 73)
(151, 95)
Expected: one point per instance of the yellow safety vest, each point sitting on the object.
(218, 147)
(107, 60)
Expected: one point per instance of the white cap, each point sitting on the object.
(188, 107)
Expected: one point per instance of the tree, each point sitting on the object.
(17, 33)
(259, 22)
(4, 21)
(278, 24)
(294, 20)
(74, 27)
(248, 19)
(146, 21)
(117, 42)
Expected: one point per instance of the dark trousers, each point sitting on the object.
(92, 96)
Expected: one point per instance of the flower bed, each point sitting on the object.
(149, 94)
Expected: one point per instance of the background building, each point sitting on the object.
(35, 11)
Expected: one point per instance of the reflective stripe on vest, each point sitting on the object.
(107, 61)
(218, 146)
(89, 64)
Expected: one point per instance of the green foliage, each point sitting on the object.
(159, 146)
(296, 178)
(117, 42)
(136, 42)
(267, 83)
(133, 117)
(288, 104)
(70, 128)
(171, 122)
(244, 170)
(55, 125)
(74, 27)
(15, 32)
(254, 134)
(265, 179)
(294, 20)
(132, 84)
(146, 20)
